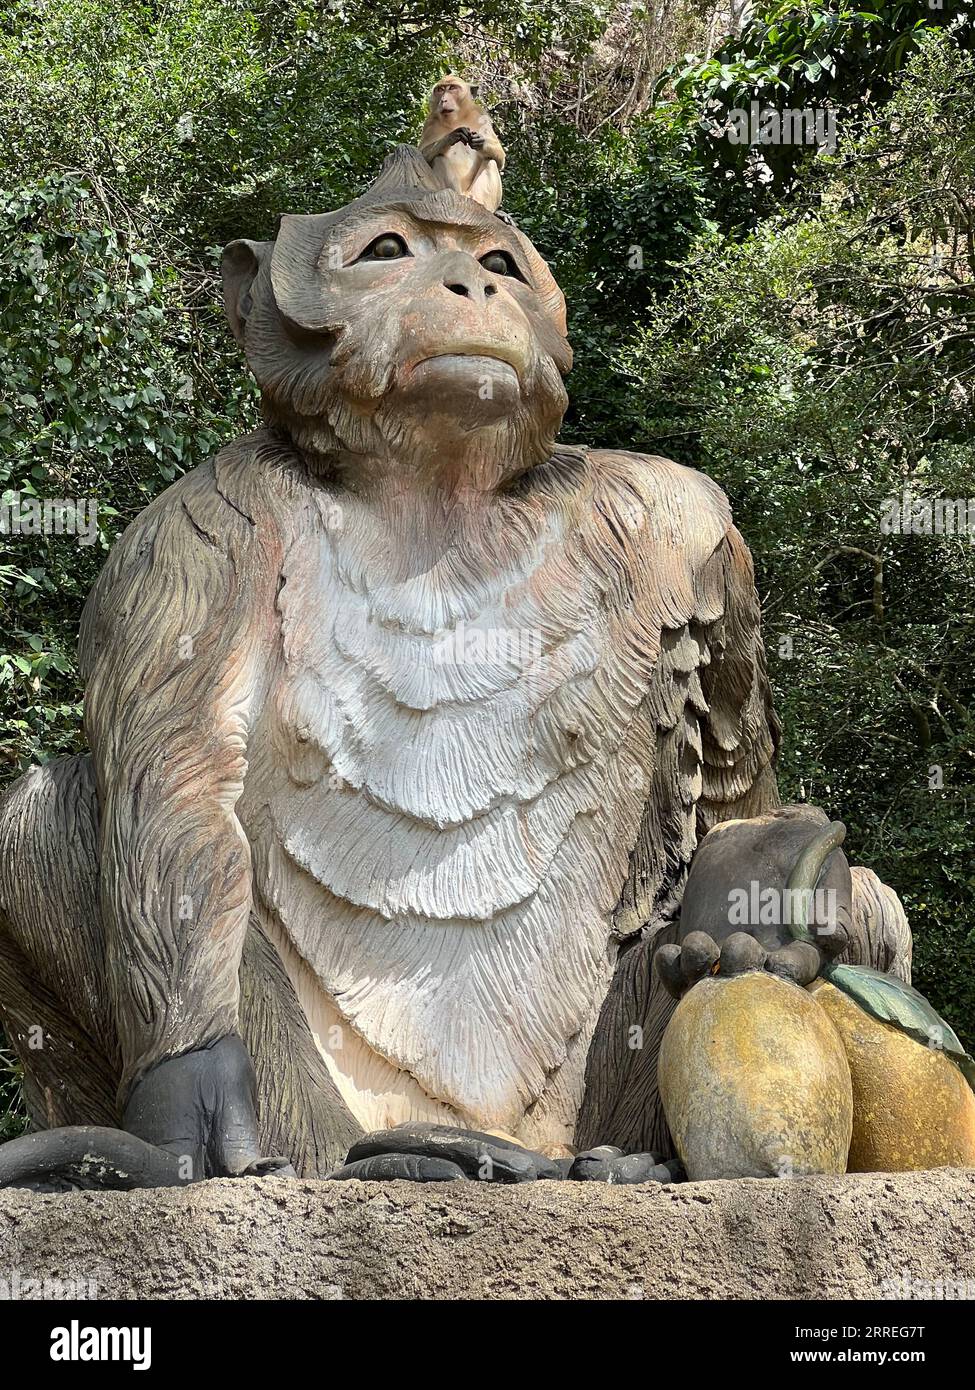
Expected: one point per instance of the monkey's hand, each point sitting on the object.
(475, 139)
(422, 1152)
(201, 1107)
(680, 967)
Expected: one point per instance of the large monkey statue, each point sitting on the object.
(459, 143)
(405, 721)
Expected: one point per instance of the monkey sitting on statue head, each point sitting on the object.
(459, 143)
(404, 722)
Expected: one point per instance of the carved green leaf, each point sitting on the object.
(892, 1001)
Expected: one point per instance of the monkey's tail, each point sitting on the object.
(87, 1156)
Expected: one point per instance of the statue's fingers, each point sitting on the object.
(273, 1166)
(667, 963)
(86, 1156)
(594, 1164)
(741, 953)
(387, 1167)
(699, 955)
(799, 962)
(608, 1165)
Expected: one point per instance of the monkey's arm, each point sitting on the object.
(739, 739)
(434, 149)
(172, 651)
(487, 144)
(740, 733)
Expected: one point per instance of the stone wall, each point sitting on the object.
(811, 1238)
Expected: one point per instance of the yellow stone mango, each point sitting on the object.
(912, 1107)
(754, 1081)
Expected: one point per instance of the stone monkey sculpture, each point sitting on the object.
(404, 723)
(459, 143)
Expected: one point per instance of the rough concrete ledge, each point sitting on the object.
(812, 1238)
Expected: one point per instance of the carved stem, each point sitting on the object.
(805, 876)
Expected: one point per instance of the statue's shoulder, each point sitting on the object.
(219, 528)
(647, 495)
(238, 496)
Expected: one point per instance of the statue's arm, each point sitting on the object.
(170, 644)
(740, 733)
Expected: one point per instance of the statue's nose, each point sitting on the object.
(470, 282)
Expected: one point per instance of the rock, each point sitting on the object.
(821, 1238)
(912, 1107)
(754, 1081)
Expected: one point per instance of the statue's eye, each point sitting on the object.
(500, 263)
(387, 247)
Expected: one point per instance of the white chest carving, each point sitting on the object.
(441, 799)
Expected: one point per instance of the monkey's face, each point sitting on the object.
(410, 324)
(448, 96)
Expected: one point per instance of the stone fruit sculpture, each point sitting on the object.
(762, 1077)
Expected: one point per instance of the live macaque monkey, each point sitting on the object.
(459, 143)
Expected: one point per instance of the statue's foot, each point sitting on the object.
(609, 1164)
(420, 1152)
(200, 1107)
(698, 955)
(190, 1117)
(83, 1158)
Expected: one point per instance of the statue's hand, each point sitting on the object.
(699, 954)
(423, 1152)
(201, 1107)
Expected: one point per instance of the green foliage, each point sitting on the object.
(614, 217)
(11, 1108)
(808, 55)
(99, 362)
(820, 51)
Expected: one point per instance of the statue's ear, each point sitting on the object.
(241, 261)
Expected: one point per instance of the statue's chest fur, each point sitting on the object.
(443, 794)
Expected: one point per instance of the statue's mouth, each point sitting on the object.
(474, 359)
